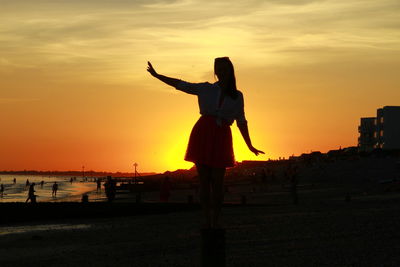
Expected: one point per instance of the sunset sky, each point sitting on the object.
(74, 90)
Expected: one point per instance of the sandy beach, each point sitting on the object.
(346, 216)
(329, 232)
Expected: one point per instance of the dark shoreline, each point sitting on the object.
(45, 211)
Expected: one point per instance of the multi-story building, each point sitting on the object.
(387, 128)
(366, 140)
(380, 132)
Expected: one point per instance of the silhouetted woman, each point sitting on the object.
(210, 144)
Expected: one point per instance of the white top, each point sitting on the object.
(208, 96)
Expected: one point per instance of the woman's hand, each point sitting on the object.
(151, 69)
(168, 80)
(256, 151)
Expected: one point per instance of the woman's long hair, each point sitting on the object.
(231, 82)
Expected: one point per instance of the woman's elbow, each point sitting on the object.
(241, 123)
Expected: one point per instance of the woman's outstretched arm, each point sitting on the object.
(244, 130)
(170, 81)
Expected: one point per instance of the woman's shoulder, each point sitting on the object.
(239, 95)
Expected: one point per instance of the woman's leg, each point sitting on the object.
(204, 173)
(217, 198)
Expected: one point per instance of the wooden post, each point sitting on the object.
(213, 247)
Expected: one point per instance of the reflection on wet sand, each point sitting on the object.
(43, 227)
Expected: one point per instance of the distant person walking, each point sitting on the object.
(110, 188)
(1, 190)
(27, 183)
(98, 182)
(31, 193)
(54, 191)
(14, 181)
(210, 144)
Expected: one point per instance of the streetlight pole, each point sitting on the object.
(135, 171)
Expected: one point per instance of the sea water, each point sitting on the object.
(18, 192)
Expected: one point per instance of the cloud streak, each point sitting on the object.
(98, 29)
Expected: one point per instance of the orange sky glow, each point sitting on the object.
(74, 90)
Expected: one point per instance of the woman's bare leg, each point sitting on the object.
(204, 173)
(217, 194)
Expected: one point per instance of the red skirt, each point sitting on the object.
(210, 144)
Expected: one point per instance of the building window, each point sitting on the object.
(381, 119)
(381, 133)
(375, 134)
(375, 122)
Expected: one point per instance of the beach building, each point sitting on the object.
(382, 131)
(387, 128)
(366, 140)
